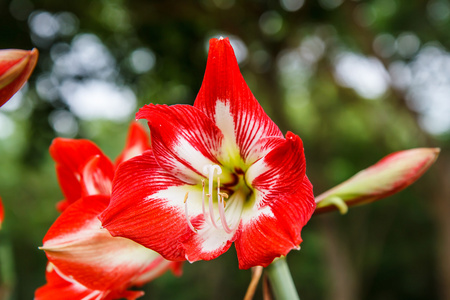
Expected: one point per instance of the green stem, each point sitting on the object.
(7, 274)
(281, 281)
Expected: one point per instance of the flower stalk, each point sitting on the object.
(280, 279)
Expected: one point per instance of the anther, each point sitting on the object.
(223, 195)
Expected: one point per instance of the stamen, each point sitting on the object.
(187, 214)
(209, 170)
(223, 219)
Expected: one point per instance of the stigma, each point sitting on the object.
(208, 200)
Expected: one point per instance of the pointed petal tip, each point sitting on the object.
(34, 55)
(220, 47)
(436, 150)
(143, 112)
(290, 136)
(220, 40)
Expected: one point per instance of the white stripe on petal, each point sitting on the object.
(246, 140)
(197, 160)
(224, 120)
(174, 196)
(253, 213)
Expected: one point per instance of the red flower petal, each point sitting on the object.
(16, 67)
(71, 156)
(281, 171)
(58, 285)
(157, 268)
(137, 142)
(208, 242)
(225, 98)
(95, 180)
(143, 210)
(183, 139)
(284, 202)
(78, 247)
(270, 233)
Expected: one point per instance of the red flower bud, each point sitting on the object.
(15, 69)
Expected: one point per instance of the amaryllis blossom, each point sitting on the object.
(219, 172)
(84, 259)
(15, 69)
(388, 176)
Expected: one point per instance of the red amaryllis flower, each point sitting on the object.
(219, 172)
(15, 68)
(87, 260)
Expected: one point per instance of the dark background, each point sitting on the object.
(355, 79)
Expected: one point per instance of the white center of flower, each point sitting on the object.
(210, 171)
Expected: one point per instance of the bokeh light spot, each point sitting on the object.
(365, 75)
(64, 123)
(142, 60)
(292, 5)
(270, 22)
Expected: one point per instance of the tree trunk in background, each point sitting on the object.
(441, 210)
(344, 284)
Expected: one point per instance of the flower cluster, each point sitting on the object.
(213, 174)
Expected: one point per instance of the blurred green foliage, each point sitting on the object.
(355, 79)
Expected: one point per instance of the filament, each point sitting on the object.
(209, 170)
(187, 214)
(203, 203)
(223, 219)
